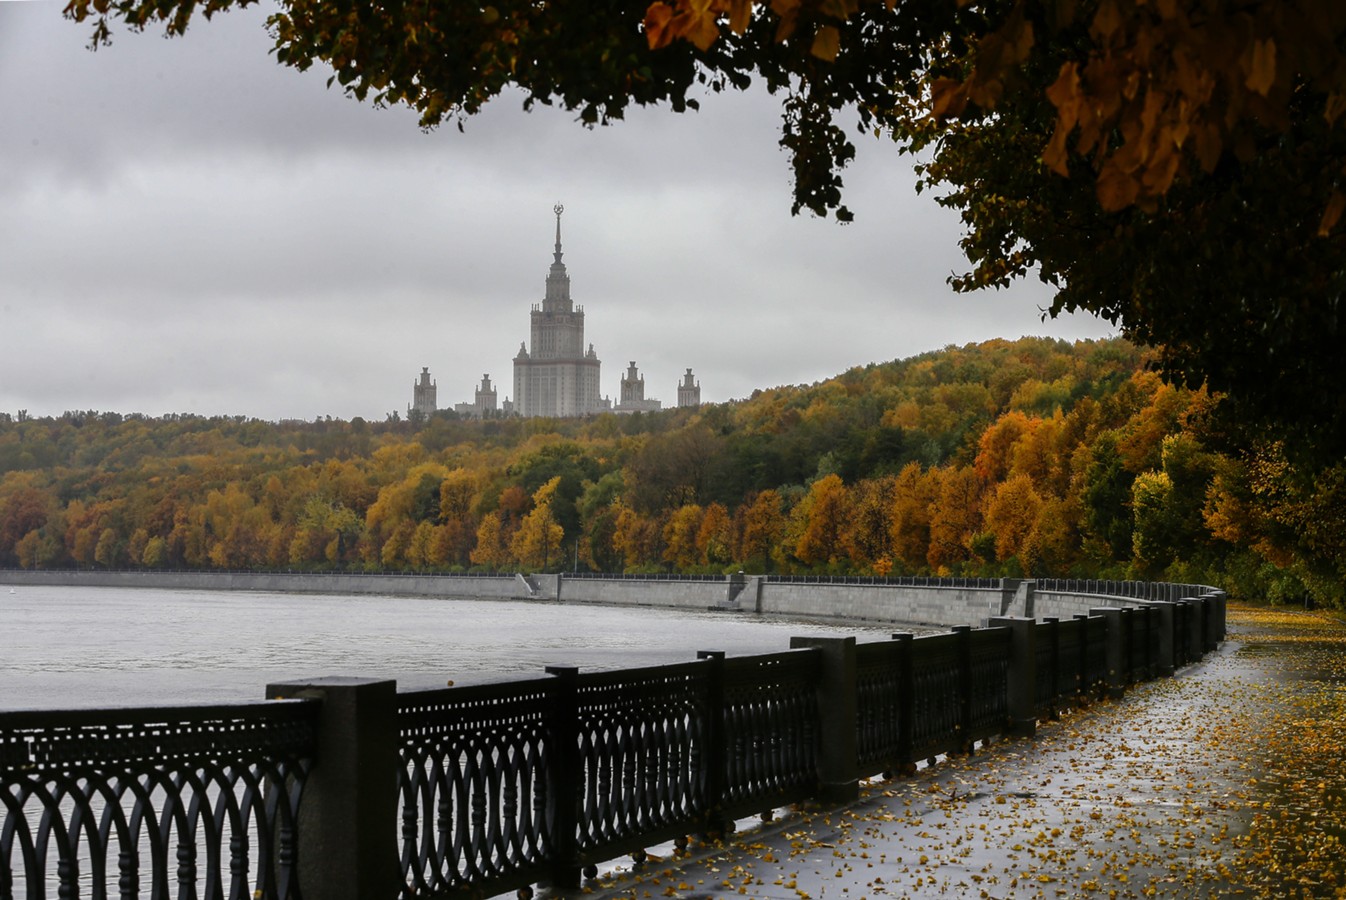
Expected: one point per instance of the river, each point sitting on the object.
(68, 647)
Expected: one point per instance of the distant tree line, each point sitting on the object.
(1033, 457)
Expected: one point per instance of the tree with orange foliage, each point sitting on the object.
(995, 448)
(763, 523)
(715, 536)
(955, 517)
(825, 513)
(870, 536)
(915, 494)
(1011, 514)
(635, 538)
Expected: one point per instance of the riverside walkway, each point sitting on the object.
(1227, 780)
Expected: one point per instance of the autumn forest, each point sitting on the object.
(1033, 457)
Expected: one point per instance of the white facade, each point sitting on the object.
(423, 394)
(633, 394)
(556, 376)
(689, 394)
(483, 405)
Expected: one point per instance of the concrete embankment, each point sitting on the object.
(941, 603)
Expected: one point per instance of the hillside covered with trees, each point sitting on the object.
(1033, 457)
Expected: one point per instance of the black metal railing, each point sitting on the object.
(499, 786)
(770, 728)
(473, 785)
(186, 801)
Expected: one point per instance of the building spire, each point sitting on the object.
(558, 209)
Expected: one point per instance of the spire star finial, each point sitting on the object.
(558, 209)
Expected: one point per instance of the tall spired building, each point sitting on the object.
(556, 375)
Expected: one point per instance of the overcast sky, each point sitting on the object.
(186, 226)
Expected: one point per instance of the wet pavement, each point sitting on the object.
(1226, 780)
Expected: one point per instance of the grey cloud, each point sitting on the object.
(187, 226)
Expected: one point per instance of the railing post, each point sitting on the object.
(713, 753)
(906, 702)
(348, 814)
(1128, 630)
(1114, 658)
(1022, 690)
(1196, 629)
(1164, 610)
(563, 775)
(1224, 614)
(1211, 601)
(838, 762)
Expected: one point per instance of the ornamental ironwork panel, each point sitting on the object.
(989, 682)
(770, 729)
(473, 786)
(937, 698)
(191, 802)
(1047, 663)
(1138, 646)
(641, 736)
(878, 708)
(1069, 674)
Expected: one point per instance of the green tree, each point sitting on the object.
(1157, 523)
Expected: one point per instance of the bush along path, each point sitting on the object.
(1227, 780)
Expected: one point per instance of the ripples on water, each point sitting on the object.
(83, 647)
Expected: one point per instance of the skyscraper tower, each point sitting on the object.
(554, 375)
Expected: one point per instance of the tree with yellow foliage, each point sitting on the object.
(537, 544)
(762, 524)
(680, 534)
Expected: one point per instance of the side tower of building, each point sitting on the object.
(554, 375)
(689, 394)
(482, 404)
(633, 393)
(423, 395)
(485, 399)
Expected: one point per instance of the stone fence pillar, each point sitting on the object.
(1023, 675)
(348, 816)
(838, 766)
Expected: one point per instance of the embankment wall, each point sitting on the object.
(933, 603)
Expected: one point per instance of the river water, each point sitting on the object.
(67, 647)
